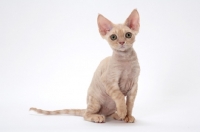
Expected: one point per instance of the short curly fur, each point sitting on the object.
(114, 85)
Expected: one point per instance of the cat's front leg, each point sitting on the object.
(130, 103)
(119, 99)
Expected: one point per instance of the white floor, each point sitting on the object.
(169, 115)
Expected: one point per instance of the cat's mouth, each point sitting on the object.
(122, 47)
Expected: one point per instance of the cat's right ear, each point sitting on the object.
(133, 21)
(104, 25)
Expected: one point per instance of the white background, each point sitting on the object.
(49, 51)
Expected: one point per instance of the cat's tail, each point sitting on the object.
(76, 112)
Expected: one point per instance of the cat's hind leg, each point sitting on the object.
(91, 114)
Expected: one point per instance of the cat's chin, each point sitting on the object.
(122, 49)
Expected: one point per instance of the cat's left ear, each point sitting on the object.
(133, 21)
(104, 25)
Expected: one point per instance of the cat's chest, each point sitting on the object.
(128, 77)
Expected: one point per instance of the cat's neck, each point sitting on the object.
(127, 55)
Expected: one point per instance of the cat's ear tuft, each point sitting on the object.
(104, 25)
(133, 21)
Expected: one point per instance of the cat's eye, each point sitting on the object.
(128, 35)
(113, 37)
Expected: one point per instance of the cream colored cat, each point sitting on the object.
(114, 85)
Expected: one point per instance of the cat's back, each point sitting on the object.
(103, 65)
(96, 85)
(101, 69)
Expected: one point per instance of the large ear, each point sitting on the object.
(133, 21)
(104, 25)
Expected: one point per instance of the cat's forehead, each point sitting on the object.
(120, 28)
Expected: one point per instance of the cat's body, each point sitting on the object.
(125, 75)
(115, 78)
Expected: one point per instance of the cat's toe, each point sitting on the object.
(129, 119)
(99, 119)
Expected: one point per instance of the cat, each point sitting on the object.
(115, 82)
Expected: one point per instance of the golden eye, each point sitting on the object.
(113, 37)
(128, 35)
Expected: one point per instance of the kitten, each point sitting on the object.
(114, 85)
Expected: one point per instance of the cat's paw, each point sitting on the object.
(122, 112)
(98, 119)
(129, 119)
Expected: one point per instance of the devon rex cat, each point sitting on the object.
(114, 85)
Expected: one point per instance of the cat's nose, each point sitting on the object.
(121, 43)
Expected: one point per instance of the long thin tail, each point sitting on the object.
(76, 112)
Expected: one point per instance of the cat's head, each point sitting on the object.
(121, 36)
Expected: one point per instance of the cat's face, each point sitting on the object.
(122, 36)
